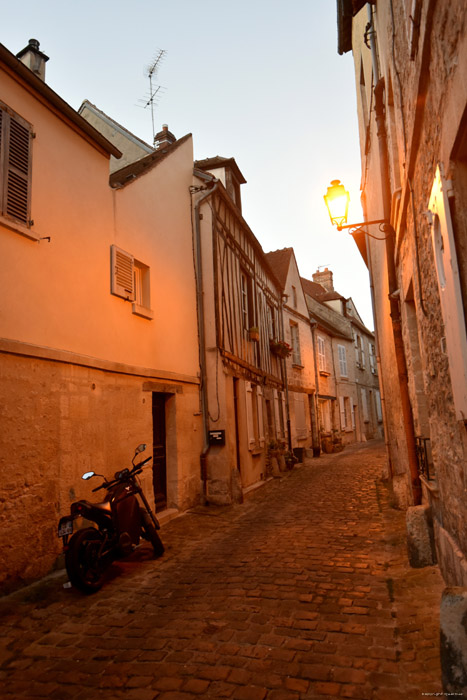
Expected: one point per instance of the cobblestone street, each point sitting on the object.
(303, 591)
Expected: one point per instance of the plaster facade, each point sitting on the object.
(80, 364)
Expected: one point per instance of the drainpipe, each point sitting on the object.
(316, 442)
(202, 337)
(285, 379)
(392, 280)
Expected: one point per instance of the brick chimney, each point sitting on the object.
(324, 277)
(34, 59)
(164, 138)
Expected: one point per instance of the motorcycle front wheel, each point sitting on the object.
(150, 534)
(82, 560)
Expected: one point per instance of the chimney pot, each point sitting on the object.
(33, 58)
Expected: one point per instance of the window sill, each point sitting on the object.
(142, 311)
(324, 373)
(295, 365)
(17, 227)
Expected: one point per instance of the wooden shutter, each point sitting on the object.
(342, 412)
(259, 399)
(249, 415)
(15, 159)
(122, 264)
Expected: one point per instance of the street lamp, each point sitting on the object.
(337, 202)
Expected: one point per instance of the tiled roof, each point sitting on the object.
(313, 289)
(143, 165)
(279, 262)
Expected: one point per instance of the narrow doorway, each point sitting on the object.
(159, 465)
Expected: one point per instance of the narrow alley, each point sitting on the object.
(303, 591)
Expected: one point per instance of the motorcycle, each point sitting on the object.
(120, 521)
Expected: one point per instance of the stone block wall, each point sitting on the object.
(58, 421)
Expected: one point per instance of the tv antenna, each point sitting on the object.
(154, 90)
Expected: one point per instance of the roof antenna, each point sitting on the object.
(154, 90)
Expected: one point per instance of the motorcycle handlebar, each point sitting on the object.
(137, 469)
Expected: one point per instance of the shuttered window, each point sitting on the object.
(322, 354)
(342, 360)
(130, 279)
(122, 273)
(15, 166)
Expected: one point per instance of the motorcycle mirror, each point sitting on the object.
(140, 448)
(88, 475)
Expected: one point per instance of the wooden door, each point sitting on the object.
(159, 450)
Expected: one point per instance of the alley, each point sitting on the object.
(303, 591)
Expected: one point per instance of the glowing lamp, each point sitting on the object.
(337, 201)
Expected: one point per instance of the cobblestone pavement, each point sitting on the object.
(303, 591)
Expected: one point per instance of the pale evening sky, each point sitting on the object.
(257, 80)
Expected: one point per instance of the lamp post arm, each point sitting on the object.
(384, 227)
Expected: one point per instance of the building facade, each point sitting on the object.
(300, 366)
(245, 405)
(410, 70)
(95, 354)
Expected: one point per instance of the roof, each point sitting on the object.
(346, 10)
(313, 289)
(130, 172)
(279, 262)
(92, 107)
(221, 162)
(318, 292)
(65, 111)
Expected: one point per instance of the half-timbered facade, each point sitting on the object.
(241, 332)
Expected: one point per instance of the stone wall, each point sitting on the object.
(58, 421)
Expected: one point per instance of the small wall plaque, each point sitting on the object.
(216, 437)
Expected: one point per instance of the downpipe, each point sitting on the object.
(202, 340)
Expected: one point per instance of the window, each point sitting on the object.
(342, 360)
(379, 410)
(254, 412)
(295, 337)
(347, 413)
(372, 355)
(15, 164)
(294, 297)
(130, 280)
(246, 300)
(271, 321)
(321, 355)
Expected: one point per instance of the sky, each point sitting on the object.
(257, 80)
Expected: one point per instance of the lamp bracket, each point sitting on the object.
(384, 227)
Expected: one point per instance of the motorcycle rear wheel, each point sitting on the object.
(82, 560)
(150, 533)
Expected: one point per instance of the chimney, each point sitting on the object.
(164, 138)
(34, 59)
(324, 278)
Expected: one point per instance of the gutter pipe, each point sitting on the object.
(202, 338)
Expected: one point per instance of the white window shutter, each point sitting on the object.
(122, 264)
(342, 411)
(249, 415)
